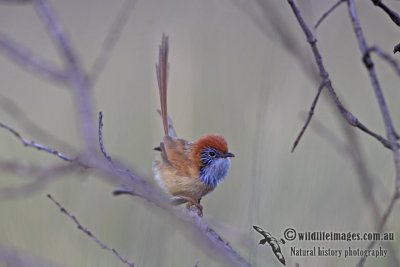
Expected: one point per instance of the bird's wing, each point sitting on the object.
(175, 152)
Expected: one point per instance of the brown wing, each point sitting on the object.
(175, 152)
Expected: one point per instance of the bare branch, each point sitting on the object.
(310, 114)
(377, 88)
(83, 229)
(76, 77)
(137, 186)
(326, 14)
(111, 39)
(191, 219)
(29, 61)
(36, 145)
(384, 110)
(347, 115)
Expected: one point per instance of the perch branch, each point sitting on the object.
(86, 231)
(139, 187)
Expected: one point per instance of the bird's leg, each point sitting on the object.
(192, 202)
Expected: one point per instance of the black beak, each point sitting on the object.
(228, 154)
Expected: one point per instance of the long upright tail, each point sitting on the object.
(162, 78)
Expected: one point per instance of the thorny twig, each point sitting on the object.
(326, 14)
(83, 229)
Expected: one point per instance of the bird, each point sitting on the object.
(273, 242)
(187, 171)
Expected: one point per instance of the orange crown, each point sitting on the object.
(211, 140)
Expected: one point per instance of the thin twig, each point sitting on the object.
(326, 14)
(310, 114)
(391, 61)
(83, 229)
(111, 39)
(133, 176)
(29, 61)
(347, 115)
(36, 145)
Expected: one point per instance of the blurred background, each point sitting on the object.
(241, 69)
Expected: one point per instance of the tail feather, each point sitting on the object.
(162, 78)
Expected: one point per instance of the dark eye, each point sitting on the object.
(211, 153)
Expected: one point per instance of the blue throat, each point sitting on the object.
(214, 170)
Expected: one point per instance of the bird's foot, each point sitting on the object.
(192, 202)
